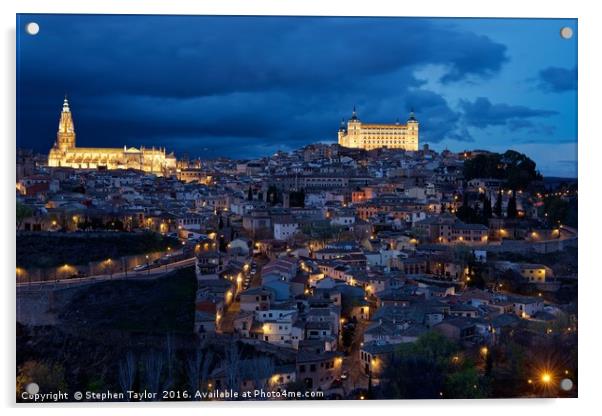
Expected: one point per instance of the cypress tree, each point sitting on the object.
(511, 212)
(487, 211)
(497, 209)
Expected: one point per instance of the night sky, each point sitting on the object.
(245, 87)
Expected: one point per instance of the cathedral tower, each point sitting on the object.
(65, 137)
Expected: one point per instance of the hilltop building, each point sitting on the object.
(368, 136)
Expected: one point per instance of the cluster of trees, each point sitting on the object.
(168, 364)
(276, 196)
(22, 212)
(85, 223)
(51, 250)
(561, 210)
(154, 369)
(48, 376)
(432, 367)
(516, 169)
(482, 209)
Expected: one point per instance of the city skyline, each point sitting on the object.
(474, 83)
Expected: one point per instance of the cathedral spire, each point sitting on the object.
(66, 105)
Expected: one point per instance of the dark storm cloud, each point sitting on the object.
(441, 121)
(282, 80)
(482, 113)
(554, 79)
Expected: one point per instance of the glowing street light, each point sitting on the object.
(109, 263)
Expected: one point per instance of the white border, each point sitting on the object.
(590, 136)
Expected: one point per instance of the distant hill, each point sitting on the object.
(552, 182)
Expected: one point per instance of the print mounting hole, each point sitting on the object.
(566, 32)
(32, 28)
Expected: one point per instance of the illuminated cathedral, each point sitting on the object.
(64, 153)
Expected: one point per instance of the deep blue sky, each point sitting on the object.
(247, 86)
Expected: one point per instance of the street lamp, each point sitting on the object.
(109, 265)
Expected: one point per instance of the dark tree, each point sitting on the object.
(483, 166)
(561, 211)
(468, 215)
(348, 333)
(497, 209)
(418, 370)
(273, 195)
(511, 211)
(114, 224)
(23, 212)
(519, 170)
(80, 189)
(297, 198)
(487, 210)
(223, 246)
(250, 194)
(515, 168)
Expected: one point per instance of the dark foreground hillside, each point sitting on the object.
(164, 305)
(105, 324)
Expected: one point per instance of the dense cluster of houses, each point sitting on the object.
(304, 302)
(293, 248)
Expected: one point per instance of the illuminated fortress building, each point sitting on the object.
(373, 136)
(65, 154)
